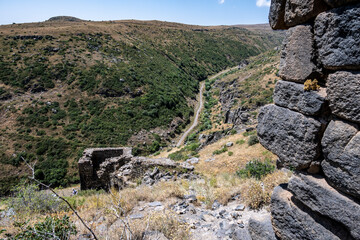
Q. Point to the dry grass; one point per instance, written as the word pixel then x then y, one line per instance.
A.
pixel 223 163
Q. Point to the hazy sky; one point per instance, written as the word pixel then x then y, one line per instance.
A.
pixel 201 12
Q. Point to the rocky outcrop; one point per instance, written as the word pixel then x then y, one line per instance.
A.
pixel 293 137
pixel 293 96
pixel 277 14
pixel 297 55
pixel 102 168
pixel 316 131
pixel 337 38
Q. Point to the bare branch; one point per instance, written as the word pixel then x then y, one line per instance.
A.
pixel 57 195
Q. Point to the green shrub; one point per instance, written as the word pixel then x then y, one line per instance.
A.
pixel 220 151
pixel 50 228
pixel 28 198
pixel 249 133
pixel 253 140
pixel 177 156
pixel 256 169
pixel 240 142
pixel 230 153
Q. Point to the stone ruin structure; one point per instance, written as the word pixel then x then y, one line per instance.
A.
pixel 102 168
pixel 316 133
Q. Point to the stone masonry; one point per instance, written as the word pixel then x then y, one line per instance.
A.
pixel 316 133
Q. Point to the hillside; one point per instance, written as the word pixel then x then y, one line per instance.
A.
pixel 68 85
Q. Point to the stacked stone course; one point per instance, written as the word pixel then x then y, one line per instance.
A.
pixel 316 133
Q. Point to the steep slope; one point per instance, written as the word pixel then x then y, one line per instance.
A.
pixel 67 85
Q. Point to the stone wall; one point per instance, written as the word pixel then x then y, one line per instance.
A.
pixel 316 133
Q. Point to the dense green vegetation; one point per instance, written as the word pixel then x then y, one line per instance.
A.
pixel 257 169
pixel 106 88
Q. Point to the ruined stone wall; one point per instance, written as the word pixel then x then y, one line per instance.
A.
pixel 316 133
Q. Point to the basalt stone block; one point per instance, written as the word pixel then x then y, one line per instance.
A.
pixel 344 94
pixel 296 62
pixel 341 147
pixel 293 137
pixel 292 220
pixel 301 11
pixel 337 37
pixel 338 3
pixel 292 95
pixel 319 196
pixel 276 14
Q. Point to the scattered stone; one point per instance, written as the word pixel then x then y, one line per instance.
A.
pixel 341 147
pixel 315 193
pixel 207 218
pixel 215 205
pixel 300 11
pixel 260 228
pixel 193 160
pixel 296 63
pixel 136 216
pixel 155 204
pixel 292 96
pixel 293 137
pixel 235 215
pixel 344 94
pixel 241 207
pixel 229 144
pixel 337 38
pixel 191 198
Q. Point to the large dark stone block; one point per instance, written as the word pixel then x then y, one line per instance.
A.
pixel 337 37
pixel 338 3
pixel 297 55
pixel 293 137
pixel 276 14
pixel 292 95
pixel 292 220
pixel 341 147
pixel 260 228
pixel 301 11
pixel 343 89
pixel 317 194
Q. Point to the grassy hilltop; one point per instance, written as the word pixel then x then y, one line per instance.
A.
pixel 66 85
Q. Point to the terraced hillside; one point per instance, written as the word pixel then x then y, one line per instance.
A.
pixel 68 85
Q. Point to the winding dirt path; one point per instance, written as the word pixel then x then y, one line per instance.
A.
pixel 197 116
pixel 199 108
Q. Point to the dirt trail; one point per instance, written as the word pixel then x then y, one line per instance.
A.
pixel 199 108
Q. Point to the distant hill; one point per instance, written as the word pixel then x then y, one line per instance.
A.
pixel 68 85
pixel 64 19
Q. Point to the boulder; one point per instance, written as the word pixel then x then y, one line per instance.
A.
pixel 338 3
pixel 293 137
pixel 301 11
pixel 319 196
pixel 260 228
pixel 341 147
pixel 292 95
pixel 292 220
pixel 343 89
pixel 337 38
pixel 296 62
pixel 276 14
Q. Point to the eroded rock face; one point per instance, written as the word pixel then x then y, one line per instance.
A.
pixel 293 137
pixel 292 96
pixel 316 194
pixel 337 36
pixel 300 11
pixel 297 55
pixel 276 14
pixel 344 94
pixel 341 146
pixel 292 220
